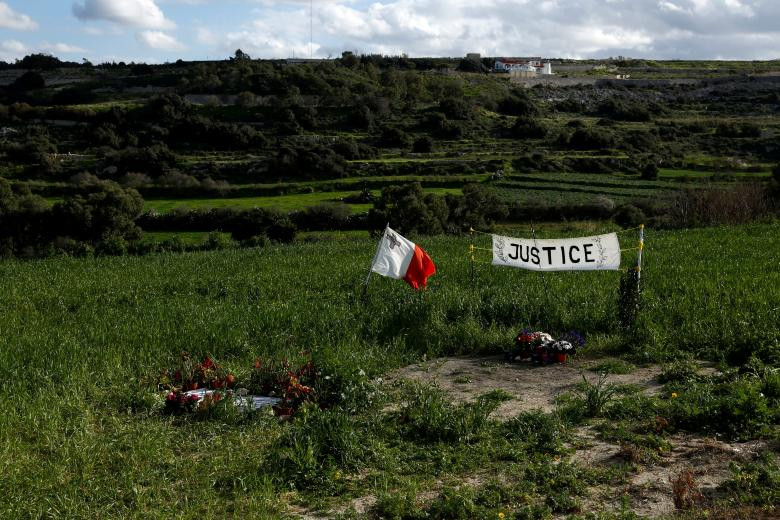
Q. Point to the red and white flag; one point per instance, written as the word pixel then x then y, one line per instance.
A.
pixel 399 258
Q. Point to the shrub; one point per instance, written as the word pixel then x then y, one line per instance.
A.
pixel 525 128
pixel 102 211
pixel 394 137
pixel 479 207
pixel 629 216
pixel 217 241
pixel 312 162
pixel 423 144
pixel 113 245
pixel 455 108
pixel 624 111
pixel 650 172
pixel 408 209
pixel 323 216
pixel 397 506
pixel 717 206
pixel 591 138
pixel 518 103
pixel 30 80
pixel 737 130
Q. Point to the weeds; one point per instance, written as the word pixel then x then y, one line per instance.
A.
pixel 598 395
pixel 681 371
pixel 684 490
pixel 613 366
pixel 430 416
pixel 755 483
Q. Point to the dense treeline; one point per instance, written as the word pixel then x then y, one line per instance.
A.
pixel 101 218
pixel 280 114
pixel 261 127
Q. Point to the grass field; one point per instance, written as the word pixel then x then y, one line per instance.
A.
pixel 283 202
pixel 78 336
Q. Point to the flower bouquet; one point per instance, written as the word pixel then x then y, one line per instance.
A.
pixel 292 385
pixel 540 347
pixel 194 386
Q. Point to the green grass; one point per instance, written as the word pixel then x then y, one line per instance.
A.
pixel 78 335
pixel 283 202
pixel 188 237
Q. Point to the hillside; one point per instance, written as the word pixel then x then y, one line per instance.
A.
pixel 249 133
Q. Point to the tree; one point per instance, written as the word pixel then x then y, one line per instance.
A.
pixel 526 128
pixel 102 210
pixel 349 60
pixel 29 81
pixel 591 139
pixel 650 171
pixel 40 62
pixel 423 144
pixel 394 137
pixel 467 65
pixel 518 103
pixel 479 207
pixel 240 56
pixel 408 209
pixel 455 108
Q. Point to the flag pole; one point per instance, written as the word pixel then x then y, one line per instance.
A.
pixel 370 268
pixel 471 252
pixel 639 256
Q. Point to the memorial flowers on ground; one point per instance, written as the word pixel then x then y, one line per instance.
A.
pixel 541 347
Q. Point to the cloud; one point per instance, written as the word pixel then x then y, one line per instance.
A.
pixel 160 41
pixel 207 36
pixel 10 50
pixel 134 13
pixel 733 29
pixel 61 48
pixel 10 19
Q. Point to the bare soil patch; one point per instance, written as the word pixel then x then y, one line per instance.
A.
pixel 649 486
pixel 533 386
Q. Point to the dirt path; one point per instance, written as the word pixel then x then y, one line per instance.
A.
pixel 533 386
pixel 648 486
pixel 536 387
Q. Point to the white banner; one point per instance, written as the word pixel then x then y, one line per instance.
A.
pixel 601 252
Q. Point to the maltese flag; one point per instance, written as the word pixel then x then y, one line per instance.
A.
pixel 399 258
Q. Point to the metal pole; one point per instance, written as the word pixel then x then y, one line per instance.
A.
pixel 471 251
pixel 639 256
pixel 378 246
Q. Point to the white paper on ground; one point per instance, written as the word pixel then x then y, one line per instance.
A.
pixel 247 402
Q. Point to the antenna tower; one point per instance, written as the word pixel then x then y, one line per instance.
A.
pixel 311 29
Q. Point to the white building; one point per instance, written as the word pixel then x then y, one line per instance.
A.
pixel 523 66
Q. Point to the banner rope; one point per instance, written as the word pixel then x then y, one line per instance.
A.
pixel 472 230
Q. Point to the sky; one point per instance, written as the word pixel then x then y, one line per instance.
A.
pixel 158 31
